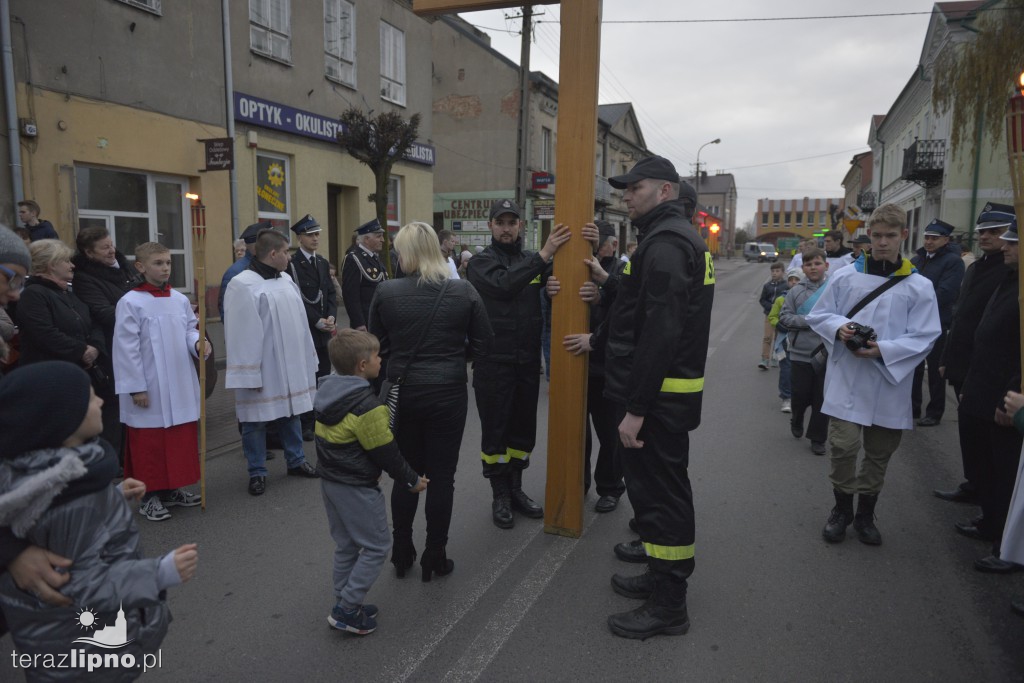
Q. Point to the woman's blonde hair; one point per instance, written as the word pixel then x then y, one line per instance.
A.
pixel 420 252
pixel 47 253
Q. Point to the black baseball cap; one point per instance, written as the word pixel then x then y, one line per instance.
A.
pixel 500 206
pixel 658 168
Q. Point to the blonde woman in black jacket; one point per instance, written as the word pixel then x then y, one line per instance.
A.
pixel 433 396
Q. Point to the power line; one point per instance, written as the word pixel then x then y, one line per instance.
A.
pixel 807 18
pixel 789 161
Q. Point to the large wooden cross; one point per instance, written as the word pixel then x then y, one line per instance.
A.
pixel 579 68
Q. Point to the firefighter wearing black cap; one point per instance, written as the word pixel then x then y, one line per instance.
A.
pixel 655 344
pixel 361 272
pixel 312 273
pixel 507 381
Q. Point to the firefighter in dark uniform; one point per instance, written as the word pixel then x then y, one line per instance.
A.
pixel 361 272
pixel 506 382
pixel 655 343
pixel 312 273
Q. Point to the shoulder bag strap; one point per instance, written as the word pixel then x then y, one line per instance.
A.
pixel 426 328
pixel 875 293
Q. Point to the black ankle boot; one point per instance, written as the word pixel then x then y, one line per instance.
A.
pixel 521 502
pixel 436 561
pixel 403 554
pixel 664 612
pixel 840 518
pixel 638 587
pixel 501 507
pixel 864 521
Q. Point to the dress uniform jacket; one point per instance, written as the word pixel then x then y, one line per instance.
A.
pixel 995 361
pixel 314 281
pixel 982 278
pixel 656 339
pixel 360 275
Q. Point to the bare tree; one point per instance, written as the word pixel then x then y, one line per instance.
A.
pixel 975 78
pixel 379 141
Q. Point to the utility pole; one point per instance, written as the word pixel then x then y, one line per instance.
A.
pixel 522 141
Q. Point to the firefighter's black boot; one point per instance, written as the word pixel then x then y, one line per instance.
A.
pixel 638 587
pixel 521 502
pixel 664 612
pixel 864 521
pixel 501 507
pixel 840 518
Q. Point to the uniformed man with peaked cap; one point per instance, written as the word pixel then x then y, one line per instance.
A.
pixel 361 272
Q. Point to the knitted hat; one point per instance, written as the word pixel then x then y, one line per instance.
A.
pixel 41 405
pixel 13 249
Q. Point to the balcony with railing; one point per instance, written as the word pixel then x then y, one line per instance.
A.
pixel 602 191
pixel 924 162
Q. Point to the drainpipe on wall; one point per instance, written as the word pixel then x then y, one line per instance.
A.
pixel 229 109
pixel 11 105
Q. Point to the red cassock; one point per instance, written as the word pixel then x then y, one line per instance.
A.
pixel 163 458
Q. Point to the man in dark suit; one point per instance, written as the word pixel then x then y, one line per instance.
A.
pixel 361 272
pixel 311 273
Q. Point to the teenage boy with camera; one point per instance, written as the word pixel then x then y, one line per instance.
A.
pixel 878 320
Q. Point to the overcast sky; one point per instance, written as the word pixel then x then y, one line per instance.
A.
pixel 773 91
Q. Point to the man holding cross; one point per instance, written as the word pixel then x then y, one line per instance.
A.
pixel 655 343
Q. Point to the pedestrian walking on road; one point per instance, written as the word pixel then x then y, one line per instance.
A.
pixel 877 320
pixel 354 445
pixel 770 291
pixel 780 351
pixel 423 321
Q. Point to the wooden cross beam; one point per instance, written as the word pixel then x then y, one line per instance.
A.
pixel 579 68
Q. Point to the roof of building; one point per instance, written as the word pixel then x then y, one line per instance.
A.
pixel 610 114
pixel 720 183
pixel 956 11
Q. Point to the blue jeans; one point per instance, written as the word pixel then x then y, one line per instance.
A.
pixel 785 385
pixel 254 443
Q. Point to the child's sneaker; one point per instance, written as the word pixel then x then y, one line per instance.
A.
pixel 763 364
pixel 353 621
pixel 181 498
pixel 787 405
pixel 154 510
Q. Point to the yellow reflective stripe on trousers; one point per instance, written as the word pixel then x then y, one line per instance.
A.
pixel 669 552
pixel 676 385
pixel 507 456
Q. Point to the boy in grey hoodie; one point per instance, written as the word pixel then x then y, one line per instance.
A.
pixel 353 445
pixel 807 378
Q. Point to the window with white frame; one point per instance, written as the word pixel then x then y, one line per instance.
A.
pixel 547 161
pixel 392 64
pixel 394 205
pixel 138 207
pixel 270 28
pixel 340 41
pixel 151 5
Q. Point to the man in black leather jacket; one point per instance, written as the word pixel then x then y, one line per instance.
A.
pixel 507 381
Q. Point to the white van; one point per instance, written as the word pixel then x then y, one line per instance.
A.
pixel 752 251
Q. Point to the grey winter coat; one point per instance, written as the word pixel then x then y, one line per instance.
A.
pixel 802 341
pixel 96 530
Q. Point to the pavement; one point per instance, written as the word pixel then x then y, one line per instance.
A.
pixel 769 600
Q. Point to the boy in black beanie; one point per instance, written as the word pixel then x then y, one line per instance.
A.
pixel 56 493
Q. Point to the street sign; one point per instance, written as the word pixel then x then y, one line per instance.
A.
pixel 220 154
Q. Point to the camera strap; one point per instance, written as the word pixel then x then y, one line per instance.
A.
pixel 868 298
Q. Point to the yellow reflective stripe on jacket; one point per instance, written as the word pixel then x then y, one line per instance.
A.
pixel 628 268
pixel 507 456
pixel 669 552
pixel 709 269
pixel 676 385
pixel 535 281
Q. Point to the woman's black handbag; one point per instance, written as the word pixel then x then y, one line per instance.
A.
pixel 388 388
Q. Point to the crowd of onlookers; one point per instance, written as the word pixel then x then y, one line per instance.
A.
pixel 974 350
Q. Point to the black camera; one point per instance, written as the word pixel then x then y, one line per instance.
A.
pixel 862 334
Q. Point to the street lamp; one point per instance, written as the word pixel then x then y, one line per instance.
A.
pixel 713 142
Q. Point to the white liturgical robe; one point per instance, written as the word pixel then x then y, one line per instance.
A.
pixel 271 361
pixel 1011 548
pixel 154 343
pixel 875 391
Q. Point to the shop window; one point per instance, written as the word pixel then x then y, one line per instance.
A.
pixel 392 64
pixel 340 41
pixel 270 29
pixel 272 178
pixel 394 204
pixel 138 207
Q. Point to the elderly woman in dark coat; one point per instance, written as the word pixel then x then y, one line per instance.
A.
pixel 433 396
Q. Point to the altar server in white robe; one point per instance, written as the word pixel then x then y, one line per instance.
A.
pixel 867 392
pixel 271 360
pixel 1011 555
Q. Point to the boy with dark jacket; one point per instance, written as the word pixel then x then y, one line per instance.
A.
pixel 353 445
pixel 770 291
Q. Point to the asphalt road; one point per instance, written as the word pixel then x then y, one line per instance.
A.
pixel 769 599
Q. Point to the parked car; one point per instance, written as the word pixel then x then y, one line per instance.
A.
pixel 760 252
